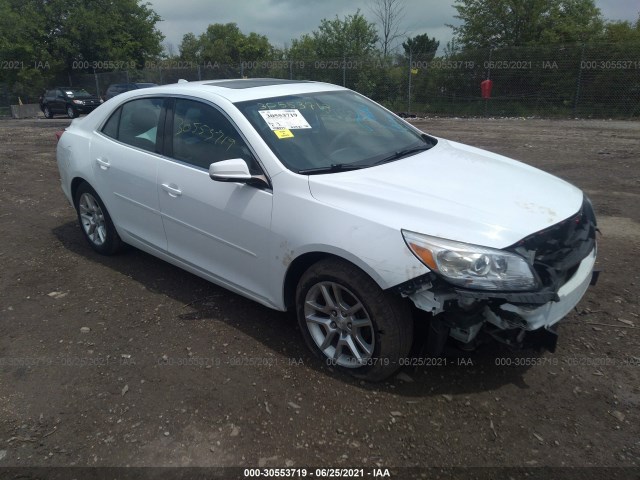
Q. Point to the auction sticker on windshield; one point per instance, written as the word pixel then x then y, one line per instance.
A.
pixel 283 133
pixel 288 119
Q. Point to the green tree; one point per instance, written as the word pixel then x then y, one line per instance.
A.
pixel 513 23
pixel 339 51
pixel 99 31
pixel 303 48
pixel 22 32
pixel 612 91
pixel 352 37
pixel 421 46
pixel 225 44
pixel 221 43
pixel 190 48
pixel 255 47
pixel 51 38
pixel 23 46
pixel 622 32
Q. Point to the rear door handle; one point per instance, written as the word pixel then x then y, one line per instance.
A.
pixel 172 191
pixel 102 163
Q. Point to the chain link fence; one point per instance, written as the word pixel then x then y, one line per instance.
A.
pixel 581 81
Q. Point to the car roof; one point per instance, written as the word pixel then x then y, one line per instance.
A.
pixel 239 90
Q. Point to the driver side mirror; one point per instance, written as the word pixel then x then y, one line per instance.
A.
pixel 235 170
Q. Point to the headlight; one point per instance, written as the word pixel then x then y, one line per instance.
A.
pixel 472 266
pixel 78 102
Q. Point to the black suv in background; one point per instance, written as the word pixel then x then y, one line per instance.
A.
pixel 69 101
pixel 118 88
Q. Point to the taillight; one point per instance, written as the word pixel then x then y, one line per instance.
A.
pixel 58 135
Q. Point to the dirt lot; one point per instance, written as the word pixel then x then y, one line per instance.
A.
pixel 175 371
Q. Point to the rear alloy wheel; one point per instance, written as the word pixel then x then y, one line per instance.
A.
pixel 47 113
pixel 71 113
pixel 350 322
pixel 95 221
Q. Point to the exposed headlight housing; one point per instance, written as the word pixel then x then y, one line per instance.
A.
pixel 78 102
pixel 472 266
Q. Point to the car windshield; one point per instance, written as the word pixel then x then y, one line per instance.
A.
pixel 77 93
pixel 328 132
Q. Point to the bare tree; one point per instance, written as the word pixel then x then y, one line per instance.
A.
pixel 389 13
pixel 169 49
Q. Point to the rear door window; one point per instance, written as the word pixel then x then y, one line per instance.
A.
pixel 111 127
pixel 136 123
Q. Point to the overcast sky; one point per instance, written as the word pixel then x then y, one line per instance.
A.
pixel 282 20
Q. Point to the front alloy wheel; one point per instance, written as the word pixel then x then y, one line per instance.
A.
pixel 350 322
pixel 71 113
pixel 339 324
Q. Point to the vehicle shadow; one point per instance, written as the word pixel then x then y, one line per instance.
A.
pixel 457 372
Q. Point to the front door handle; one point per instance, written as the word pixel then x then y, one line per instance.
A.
pixel 102 163
pixel 172 191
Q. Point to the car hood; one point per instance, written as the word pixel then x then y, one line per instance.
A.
pixel 453 191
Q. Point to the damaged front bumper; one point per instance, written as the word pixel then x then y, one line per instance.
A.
pixel 562 256
pixel 552 312
pixel 518 320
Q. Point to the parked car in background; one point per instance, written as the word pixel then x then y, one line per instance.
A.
pixel 118 88
pixel 68 101
pixel 309 197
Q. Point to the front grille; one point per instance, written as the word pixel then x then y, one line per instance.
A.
pixel 558 250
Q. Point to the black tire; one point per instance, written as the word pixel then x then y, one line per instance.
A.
pixel 71 112
pixel 389 336
pixel 105 240
pixel 47 112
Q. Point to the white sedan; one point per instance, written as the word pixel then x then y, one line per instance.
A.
pixel 309 196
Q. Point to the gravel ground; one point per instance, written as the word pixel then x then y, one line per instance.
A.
pixel 129 361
